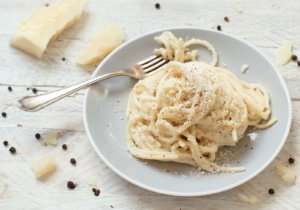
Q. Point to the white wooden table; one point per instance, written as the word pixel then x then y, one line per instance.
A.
pixel 266 24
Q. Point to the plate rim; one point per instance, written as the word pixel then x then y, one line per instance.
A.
pixel 193 194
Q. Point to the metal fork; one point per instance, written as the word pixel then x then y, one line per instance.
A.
pixel 137 71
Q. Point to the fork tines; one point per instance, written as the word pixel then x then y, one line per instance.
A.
pixel 152 63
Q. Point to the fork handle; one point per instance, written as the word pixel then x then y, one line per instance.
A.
pixel 35 103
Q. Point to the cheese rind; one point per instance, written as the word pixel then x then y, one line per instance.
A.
pixel 109 38
pixel 45 24
pixel 43 166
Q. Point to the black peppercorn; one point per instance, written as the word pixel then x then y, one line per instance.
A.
pixel 12 150
pixel 219 28
pixel 291 160
pixel 96 191
pixel 157 6
pixel 73 161
pixel 64 147
pixel 71 185
pixel 4 114
pixel 271 191
pixel 37 136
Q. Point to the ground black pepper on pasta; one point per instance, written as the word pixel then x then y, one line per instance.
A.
pixel 34 90
pixel 5 143
pixel 226 19
pixel 294 57
pixel 9 88
pixel 219 28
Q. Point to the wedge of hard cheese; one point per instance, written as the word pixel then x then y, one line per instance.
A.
pixel 284 53
pixel 43 166
pixel 45 24
pixel 110 37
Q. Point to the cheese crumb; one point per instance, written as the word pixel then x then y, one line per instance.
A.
pixel 51 138
pixel 4 189
pixel 213 26
pixel 4 186
pixel 43 166
pixel 244 68
pixel 188 23
pixel 224 65
pixel 92 181
pixel 287 173
pixel 252 199
pixel 284 53
pixel 238 8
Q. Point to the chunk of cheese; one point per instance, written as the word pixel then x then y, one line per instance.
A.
pixel 238 8
pixel 43 166
pixel 109 38
pixel 284 53
pixel 287 173
pixel 92 181
pixel 51 138
pixel 45 24
pixel 252 199
pixel 244 68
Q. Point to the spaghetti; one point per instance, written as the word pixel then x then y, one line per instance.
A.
pixel 187 111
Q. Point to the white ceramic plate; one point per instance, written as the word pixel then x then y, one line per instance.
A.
pixel 105 120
